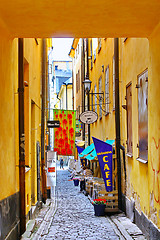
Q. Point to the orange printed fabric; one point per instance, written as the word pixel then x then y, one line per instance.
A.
pixel 64 136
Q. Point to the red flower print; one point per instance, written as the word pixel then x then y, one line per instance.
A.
pixel 63 151
pixel 60 115
pixel 64 131
pixel 70 122
pixel 67 145
pixel 72 142
pixel 60 129
pixel 62 111
pixel 64 121
pixel 69 116
pixel 69 151
pixel 56 115
pixel 66 139
pixel 71 130
pixel 56 133
pixel 61 141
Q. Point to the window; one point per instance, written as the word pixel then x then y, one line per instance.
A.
pixel 129 118
pixel 107 90
pixel 99 44
pixel 100 97
pixel 77 81
pixel 92 99
pixel 91 53
pixel 143 115
pixel 95 98
pixel 95 45
pixel 113 83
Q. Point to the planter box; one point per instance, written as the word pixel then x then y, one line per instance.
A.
pixel 76 182
pixel 99 209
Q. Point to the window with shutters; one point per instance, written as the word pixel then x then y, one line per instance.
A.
pixel 142 87
pixel 95 98
pixel 113 83
pixel 100 98
pixel 107 90
pixel 129 118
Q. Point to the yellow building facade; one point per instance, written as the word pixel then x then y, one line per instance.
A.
pixel 9 130
pixel 138 95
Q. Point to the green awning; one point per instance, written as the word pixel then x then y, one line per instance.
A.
pixel 87 150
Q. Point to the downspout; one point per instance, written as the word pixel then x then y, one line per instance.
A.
pixel 117 120
pixel 66 98
pixel 21 136
pixel 87 76
pixel 83 91
pixel 44 193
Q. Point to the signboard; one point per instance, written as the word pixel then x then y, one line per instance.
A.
pixel 104 154
pixel 88 117
pixel 84 162
pixel 79 149
pixel 53 124
pixel 51 168
pixel 64 136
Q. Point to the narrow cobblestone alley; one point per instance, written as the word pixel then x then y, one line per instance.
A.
pixel 74 218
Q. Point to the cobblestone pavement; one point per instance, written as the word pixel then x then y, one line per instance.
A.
pixel 74 218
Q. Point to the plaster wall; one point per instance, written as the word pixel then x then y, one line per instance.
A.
pixel 103 128
pixel 154 127
pixel 134 60
pixel 9 125
pixel 32 74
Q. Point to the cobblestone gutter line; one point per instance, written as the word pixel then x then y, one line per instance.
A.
pixel 43 228
pixel 127 229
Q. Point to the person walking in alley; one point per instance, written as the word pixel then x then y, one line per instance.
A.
pixel 61 163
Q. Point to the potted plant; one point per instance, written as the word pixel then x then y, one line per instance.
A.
pixel 76 181
pixel 99 206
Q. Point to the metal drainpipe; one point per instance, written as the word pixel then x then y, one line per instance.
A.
pixel 117 120
pixel 44 191
pixel 66 98
pixel 87 76
pixel 21 136
pixel 83 91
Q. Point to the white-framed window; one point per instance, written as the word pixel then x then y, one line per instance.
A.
pixel 100 97
pixel 113 83
pixel 95 98
pixel 143 115
pixel 107 90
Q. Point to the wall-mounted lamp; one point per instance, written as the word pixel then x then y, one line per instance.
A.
pixel 87 85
